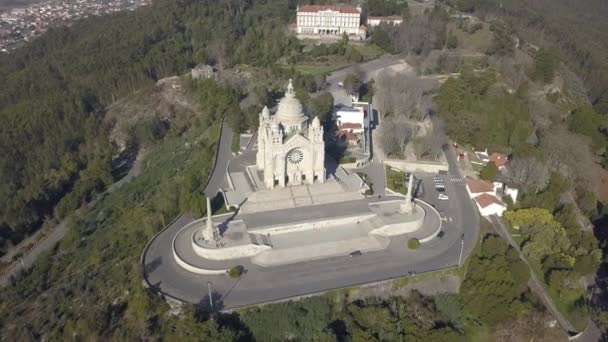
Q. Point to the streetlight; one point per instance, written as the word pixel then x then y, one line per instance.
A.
pixel 210 298
pixel 461 248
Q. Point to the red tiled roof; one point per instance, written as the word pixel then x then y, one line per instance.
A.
pixel 318 8
pixel 349 125
pixel 485 200
pixel 347 135
pixel 478 186
pixel 499 159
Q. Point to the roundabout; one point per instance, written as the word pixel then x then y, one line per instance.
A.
pixel 174 269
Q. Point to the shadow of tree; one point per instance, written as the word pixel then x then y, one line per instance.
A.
pixel 209 305
pixel 153 265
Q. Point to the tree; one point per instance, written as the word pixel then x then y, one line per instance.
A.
pixel 322 106
pixel 401 96
pixel 452 41
pixel 543 236
pixel 489 172
pixel 528 174
pixel 352 84
pixel 396 134
pixel 585 120
pixel 489 290
pixel 545 64
pixel 236 271
pixel 570 155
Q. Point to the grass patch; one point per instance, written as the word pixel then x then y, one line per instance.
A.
pixel 369 51
pixel 441 275
pixel 319 69
pixel 395 180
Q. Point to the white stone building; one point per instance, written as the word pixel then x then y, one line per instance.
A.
pixel 329 20
pixel 391 20
pixel 290 151
pixel 350 118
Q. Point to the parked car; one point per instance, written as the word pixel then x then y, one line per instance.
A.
pixel 355 253
pixel 443 197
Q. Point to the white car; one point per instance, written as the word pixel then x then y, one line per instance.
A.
pixel 443 197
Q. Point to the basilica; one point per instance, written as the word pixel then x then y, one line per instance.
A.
pixel 291 150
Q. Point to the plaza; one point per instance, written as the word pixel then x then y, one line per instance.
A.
pixel 298 238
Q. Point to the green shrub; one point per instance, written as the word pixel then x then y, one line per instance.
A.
pixel 236 271
pixel 413 243
pixel 489 172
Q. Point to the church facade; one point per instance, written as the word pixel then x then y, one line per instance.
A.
pixel 291 150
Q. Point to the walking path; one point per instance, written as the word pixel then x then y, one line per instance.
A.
pixel 535 285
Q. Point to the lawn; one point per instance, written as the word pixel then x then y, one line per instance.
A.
pixel 368 50
pixel 319 68
pixel 441 274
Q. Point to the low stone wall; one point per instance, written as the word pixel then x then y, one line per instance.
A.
pixel 418 166
pixel 190 268
pixel 303 226
pixel 401 228
pixel 438 230
pixel 228 253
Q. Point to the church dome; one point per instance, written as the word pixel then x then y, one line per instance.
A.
pixel 290 111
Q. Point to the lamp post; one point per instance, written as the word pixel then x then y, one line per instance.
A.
pixel 210 298
pixel 461 248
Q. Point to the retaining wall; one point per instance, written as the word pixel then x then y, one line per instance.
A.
pixel 408 166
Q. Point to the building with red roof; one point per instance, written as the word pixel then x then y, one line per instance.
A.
pixel 499 159
pixel 489 205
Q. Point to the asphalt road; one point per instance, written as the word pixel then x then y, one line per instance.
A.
pixel 261 284
pixel 367 70
pixel 224 154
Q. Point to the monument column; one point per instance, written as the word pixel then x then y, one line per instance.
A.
pixel 209 230
pixel 406 207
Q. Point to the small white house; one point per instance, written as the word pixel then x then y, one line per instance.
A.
pixel 487 196
pixel 353 118
pixel 476 187
pixel 489 205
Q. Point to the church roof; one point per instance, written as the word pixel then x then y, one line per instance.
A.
pixel 290 109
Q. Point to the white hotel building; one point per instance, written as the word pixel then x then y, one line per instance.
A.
pixel 329 20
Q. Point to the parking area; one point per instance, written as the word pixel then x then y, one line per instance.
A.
pixel 439 190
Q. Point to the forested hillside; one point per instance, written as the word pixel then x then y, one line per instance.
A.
pixel 54 147
pixel 55 154
pixel 577 29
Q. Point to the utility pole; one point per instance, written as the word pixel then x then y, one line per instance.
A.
pixel 461 248
pixel 210 298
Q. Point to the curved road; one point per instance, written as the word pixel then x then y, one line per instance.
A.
pixel 223 156
pixel 261 284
